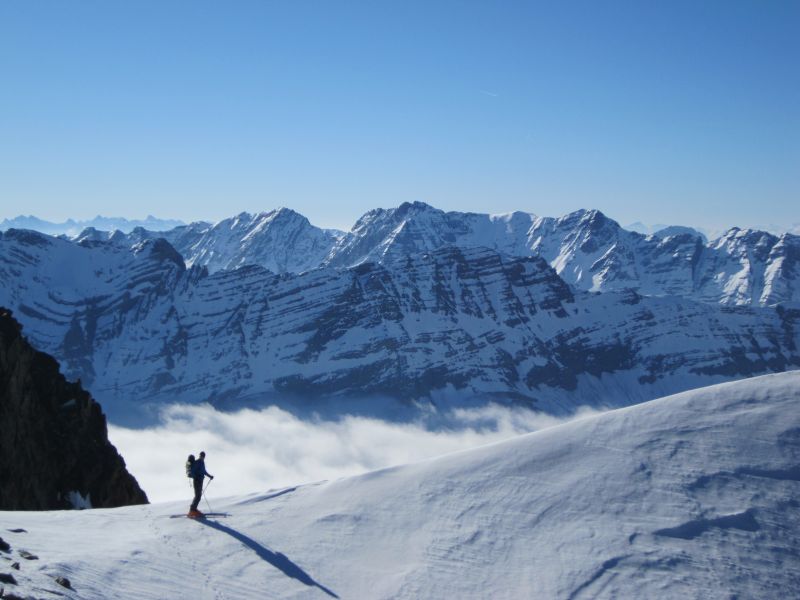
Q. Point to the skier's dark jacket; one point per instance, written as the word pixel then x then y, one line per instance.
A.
pixel 199 469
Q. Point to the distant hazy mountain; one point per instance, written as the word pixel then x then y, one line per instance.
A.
pixel 71 227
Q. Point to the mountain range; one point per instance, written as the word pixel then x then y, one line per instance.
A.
pixel 72 227
pixel 412 304
pixel 587 249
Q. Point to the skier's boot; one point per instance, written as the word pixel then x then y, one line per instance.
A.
pixel 195 514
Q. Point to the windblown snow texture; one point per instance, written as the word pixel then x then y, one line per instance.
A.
pixel 690 496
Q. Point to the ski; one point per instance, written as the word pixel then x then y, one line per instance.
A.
pixel 203 516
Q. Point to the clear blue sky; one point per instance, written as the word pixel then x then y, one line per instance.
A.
pixel 664 112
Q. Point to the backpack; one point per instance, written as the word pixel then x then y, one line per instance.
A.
pixel 190 466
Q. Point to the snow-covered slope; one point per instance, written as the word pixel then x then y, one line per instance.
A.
pixel 690 496
pixel 455 323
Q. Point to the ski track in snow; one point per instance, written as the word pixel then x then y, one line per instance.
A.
pixel 690 496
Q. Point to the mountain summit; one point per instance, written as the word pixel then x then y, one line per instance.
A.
pixel 587 249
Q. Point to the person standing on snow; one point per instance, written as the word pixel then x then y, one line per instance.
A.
pixel 198 470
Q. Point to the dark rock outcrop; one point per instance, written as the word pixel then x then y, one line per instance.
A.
pixel 54 444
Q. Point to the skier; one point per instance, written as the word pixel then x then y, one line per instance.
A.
pixel 198 472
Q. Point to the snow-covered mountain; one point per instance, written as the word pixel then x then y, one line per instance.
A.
pixel 593 253
pixel 71 227
pixel 690 496
pixel 586 248
pixel 280 240
pixel 136 325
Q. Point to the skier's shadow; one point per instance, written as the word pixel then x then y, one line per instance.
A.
pixel 276 559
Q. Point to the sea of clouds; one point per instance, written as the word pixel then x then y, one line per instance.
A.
pixel 258 450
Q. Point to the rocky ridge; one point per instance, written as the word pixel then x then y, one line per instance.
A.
pixel 586 248
pixel 458 323
pixel 54 448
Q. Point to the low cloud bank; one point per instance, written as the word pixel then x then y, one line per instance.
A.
pixel 254 451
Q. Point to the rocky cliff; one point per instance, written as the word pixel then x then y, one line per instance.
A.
pixel 138 327
pixel 54 448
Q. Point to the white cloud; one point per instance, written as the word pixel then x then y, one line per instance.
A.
pixel 254 451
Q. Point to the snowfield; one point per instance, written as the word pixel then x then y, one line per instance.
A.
pixel 695 495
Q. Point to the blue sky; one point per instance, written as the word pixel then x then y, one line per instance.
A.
pixel 661 112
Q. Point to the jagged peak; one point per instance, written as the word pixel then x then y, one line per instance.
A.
pixel 249 221
pixel 593 219
pixel 412 209
pixel 29 237
pixel 792 238
pixel 514 215
pixel 679 230
pixel 283 214
pixel 747 235
pixel 161 250
pixel 369 217
pixel 597 216
pixel 416 205
pixel 570 217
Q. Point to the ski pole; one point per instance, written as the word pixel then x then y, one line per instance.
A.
pixel 205 497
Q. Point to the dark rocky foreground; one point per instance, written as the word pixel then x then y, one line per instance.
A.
pixel 53 436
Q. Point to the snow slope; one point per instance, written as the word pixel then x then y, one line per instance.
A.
pixel 690 496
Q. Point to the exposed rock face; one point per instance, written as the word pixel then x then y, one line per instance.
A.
pixel 586 248
pixel 281 240
pixel 54 444
pixel 592 252
pixel 140 327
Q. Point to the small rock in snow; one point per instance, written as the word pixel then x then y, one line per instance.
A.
pixel 7 578
pixel 64 582
pixel 27 555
